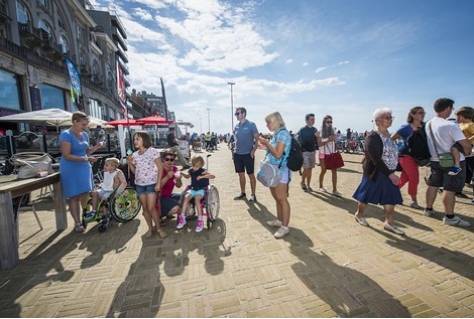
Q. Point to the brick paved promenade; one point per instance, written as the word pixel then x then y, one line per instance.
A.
pixel 327 266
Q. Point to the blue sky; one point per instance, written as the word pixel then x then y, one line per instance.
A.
pixel 342 58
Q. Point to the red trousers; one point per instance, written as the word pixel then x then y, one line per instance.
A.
pixel 410 174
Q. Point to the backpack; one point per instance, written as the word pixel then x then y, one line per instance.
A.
pixel 294 161
pixel 417 146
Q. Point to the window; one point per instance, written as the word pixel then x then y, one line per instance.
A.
pixel 64 44
pixel 42 2
pixel 21 13
pixel 10 91
pixel 52 98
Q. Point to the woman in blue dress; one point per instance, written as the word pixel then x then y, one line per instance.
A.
pixel 277 152
pixel 75 167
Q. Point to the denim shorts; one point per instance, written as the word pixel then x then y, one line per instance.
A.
pixel 145 189
pixel 104 193
pixel 195 193
pixel 285 175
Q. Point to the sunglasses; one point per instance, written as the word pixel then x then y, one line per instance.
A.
pixel 421 112
pixel 329 122
pixel 237 114
pixel 388 118
pixel 168 159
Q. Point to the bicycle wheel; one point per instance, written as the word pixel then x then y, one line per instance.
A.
pixel 212 203
pixel 126 206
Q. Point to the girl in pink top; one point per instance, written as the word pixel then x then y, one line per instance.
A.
pixel 147 166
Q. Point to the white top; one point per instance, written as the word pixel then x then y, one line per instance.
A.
pixel 146 171
pixel 327 148
pixel 446 134
pixel 108 183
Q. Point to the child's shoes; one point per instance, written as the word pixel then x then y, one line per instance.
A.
pixel 181 221
pixel 200 225
pixel 454 170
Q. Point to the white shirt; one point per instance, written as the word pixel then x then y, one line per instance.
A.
pixel 446 134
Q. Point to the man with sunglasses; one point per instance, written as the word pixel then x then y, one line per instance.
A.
pixel 169 201
pixel 245 137
pixel 309 144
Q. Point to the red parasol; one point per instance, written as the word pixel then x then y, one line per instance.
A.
pixel 154 120
pixel 123 122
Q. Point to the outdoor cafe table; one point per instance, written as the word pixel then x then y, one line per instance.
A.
pixel 9 228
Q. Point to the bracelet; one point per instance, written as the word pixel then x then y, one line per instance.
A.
pixel 86 159
pixel 118 192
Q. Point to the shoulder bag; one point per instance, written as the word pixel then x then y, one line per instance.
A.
pixel 32 163
pixel 446 160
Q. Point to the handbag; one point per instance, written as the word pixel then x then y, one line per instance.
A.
pixel 333 160
pixel 32 164
pixel 269 174
pixel 446 160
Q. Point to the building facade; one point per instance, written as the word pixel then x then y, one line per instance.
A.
pixel 36 36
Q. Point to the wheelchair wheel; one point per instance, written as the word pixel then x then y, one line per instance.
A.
pixel 212 203
pixel 126 206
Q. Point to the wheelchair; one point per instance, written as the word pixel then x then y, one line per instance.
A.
pixel 122 209
pixel 210 205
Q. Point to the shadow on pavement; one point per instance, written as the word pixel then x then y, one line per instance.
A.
pixel 347 291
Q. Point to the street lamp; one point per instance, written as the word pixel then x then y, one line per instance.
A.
pixel 209 118
pixel 231 105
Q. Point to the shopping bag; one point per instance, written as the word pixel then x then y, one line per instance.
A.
pixel 269 174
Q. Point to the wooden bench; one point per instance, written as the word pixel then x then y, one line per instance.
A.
pixel 9 226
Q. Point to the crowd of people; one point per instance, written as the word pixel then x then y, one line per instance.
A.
pixel 387 166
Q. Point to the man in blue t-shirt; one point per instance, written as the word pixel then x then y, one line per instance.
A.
pixel 245 137
pixel 309 145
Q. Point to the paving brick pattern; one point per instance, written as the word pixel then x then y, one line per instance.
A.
pixel 327 266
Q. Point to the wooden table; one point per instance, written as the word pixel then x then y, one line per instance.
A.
pixel 9 228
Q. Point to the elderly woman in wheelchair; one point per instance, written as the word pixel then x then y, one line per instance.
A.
pixel 197 191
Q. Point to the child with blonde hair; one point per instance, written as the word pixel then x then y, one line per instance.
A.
pixel 199 182
pixel 114 179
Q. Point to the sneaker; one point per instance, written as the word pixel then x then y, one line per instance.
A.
pixel 274 223
pixel 393 228
pixel 455 221
pixel 337 193
pixel 253 199
pixel 415 205
pixel 181 221
pixel 90 215
pixel 323 190
pixel 454 170
pixel 303 187
pixel 241 196
pixel 429 212
pixel 200 225
pixel 309 189
pixel 282 231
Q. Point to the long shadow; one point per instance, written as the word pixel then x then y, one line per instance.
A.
pixel 42 265
pixel 141 292
pixel 347 291
pixel 372 211
pixel 456 261
pixel 115 238
pixel 348 170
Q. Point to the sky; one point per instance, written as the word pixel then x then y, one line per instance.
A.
pixel 327 57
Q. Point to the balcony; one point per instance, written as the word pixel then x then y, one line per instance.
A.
pixel 31 37
pixel 52 50
pixel 84 69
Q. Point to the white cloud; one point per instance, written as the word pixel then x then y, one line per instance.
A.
pixel 305 64
pixel 289 61
pixel 142 14
pixel 321 69
pixel 342 62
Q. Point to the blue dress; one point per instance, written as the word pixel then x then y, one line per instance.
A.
pixel 76 177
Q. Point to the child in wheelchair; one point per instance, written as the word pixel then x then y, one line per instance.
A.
pixel 199 182
pixel 114 183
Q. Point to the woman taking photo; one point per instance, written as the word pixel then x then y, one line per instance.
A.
pixel 75 168
pixel 379 183
pixel 277 152
pixel 327 138
pixel 410 172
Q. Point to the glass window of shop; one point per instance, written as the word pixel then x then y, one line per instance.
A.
pixel 10 91
pixel 96 109
pixel 52 97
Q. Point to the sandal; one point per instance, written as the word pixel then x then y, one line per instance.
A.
pixel 162 233
pixel 79 228
pixel 148 233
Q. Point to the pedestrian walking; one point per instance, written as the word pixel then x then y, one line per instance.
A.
pixel 309 145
